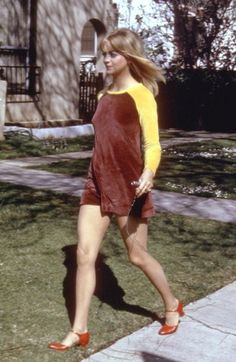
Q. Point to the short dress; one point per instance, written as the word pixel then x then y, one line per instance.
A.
pixel 126 142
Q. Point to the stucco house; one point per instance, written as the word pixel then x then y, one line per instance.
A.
pixel 42 46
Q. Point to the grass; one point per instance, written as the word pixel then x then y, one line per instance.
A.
pixel 75 168
pixel 201 168
pixel 19 145
pixel 23 145
pixel 38 243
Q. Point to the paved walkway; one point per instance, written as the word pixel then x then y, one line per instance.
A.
pixel 207 333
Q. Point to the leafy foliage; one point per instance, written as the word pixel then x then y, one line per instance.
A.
pixel 196 99
pixel 189 33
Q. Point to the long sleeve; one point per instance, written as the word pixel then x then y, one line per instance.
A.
pixel 147 109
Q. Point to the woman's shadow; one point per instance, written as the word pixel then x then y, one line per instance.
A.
pixel 107 288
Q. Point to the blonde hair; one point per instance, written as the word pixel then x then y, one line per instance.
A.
pixel 130 45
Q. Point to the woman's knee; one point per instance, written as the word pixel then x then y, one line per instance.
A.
pixel 137 256
pixel 85 256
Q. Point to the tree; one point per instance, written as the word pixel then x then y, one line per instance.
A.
pixel 203 32
pixel 186 33
pixel 144 19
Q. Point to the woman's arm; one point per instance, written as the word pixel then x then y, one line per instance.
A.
pixel 147 109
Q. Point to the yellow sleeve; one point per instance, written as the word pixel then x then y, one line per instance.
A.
pixel 147 109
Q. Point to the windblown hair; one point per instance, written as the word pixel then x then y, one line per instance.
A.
pixel 127 43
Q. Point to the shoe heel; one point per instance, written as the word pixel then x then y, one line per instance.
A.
pixel 180 310
pixel 166 329
pixel 84 339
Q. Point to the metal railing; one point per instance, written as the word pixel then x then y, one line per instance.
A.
pixel 90 85
pixel 11 55
pixel 23 82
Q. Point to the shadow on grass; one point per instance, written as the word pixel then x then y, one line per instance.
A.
pixel 21 206
pixel 107 287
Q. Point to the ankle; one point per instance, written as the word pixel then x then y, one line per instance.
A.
pixel 79 331
pixel 172 305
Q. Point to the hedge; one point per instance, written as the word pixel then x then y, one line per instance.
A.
pixel 198 100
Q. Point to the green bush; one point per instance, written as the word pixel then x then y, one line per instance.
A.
pixel 198 99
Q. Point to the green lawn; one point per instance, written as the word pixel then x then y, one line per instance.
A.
pixel 202 169
pixel 24 146
pixel 38 243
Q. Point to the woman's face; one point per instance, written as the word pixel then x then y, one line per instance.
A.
pixel 115 63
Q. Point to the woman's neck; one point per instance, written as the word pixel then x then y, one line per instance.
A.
pixel 122 83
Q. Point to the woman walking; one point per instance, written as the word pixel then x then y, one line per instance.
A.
pixel 125 159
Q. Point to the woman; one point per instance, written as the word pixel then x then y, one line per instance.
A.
pixel 125 158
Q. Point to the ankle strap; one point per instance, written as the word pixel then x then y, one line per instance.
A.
pixel 77 333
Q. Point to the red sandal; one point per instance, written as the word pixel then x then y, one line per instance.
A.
pixel 166 329
pixel 83 340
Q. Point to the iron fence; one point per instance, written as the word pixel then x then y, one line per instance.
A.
pixel 90 85
pixel 23 82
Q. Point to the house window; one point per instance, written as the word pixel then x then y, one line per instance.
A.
pixel 18 49
pixel 89 41
pixel 14 32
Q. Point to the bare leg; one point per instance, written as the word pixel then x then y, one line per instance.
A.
pixel 92 225
pixel 134 235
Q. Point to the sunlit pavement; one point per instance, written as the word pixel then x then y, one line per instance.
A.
pixel 207 333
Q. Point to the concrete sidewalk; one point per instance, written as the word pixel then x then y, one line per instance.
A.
pixel 207 333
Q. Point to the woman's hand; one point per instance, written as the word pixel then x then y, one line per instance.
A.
pixel 146 183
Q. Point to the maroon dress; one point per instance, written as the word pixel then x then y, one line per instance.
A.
pixel 117 158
